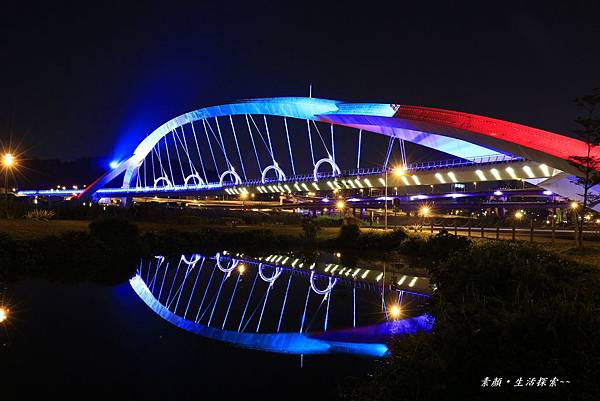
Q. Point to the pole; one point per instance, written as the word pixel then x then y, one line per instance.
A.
pixel 575 222
pixel 6 192
pixel 385 224
pixel 513 229
pixel 531 230
pixel 553 228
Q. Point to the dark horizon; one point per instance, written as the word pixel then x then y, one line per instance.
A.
pixel 90 83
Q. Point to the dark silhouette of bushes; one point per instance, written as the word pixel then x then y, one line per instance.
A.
pixel 502 310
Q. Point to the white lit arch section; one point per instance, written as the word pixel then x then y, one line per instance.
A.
pixel 230 173
pixel 335 170
pixel 280 174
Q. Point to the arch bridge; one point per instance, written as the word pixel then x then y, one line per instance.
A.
pixel 302 145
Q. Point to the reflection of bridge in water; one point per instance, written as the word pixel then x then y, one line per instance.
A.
pixel 283 304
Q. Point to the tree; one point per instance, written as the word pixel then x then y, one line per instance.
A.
pixel 589 163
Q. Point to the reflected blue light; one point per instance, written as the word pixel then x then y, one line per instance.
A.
pixel 289 343
pixel 114 164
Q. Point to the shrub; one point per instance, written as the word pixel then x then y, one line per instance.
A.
pixel 40 214
pixel 349 234
pixel 441 245
pixel 310 229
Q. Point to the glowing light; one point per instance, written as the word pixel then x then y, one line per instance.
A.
pixel 519 215
pixel 8 160
pixel 241 268
pixel 498 193
pixel 416 180
pixel 399 171
pixel 480 174
pixel 548 192
pixel 440 178
pixel 340 204
pixel 545 170
pixel 452 176
pixel 3 314
pixel 114 164
pixel 511 172
pixel 395 311
pixel 244 195
pixel 425 210
pixel 528 171
pixel 496 174
pixel 574 205
pixel 368 183
pixel 382 181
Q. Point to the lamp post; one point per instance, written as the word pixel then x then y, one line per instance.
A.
pixel 244 196
pixel 8 161
pixel 398 172
pixel 425 210
pixel 518 216
pixel 574 207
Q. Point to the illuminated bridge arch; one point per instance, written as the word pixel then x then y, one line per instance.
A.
pixel 214 134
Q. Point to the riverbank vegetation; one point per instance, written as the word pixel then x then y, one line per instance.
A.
pixel 502 310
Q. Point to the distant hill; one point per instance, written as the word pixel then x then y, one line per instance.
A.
pixel 47 173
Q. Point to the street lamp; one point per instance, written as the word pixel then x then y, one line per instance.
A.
pixel 425 211
pixel 398 172
pixel 3 314
pixel 8 162
pixel 340 205
pixel 244 196
pixel 578 234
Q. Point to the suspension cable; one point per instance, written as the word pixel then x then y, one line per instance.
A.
pixel 253 144
pixel 238 148
pixel 312 153
pixel 199 154
pixel 359 145
pixel 210 147
pixel 287 134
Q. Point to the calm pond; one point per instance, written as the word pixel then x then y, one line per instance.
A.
pixel 222 326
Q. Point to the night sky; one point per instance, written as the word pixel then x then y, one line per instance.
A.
pixel 86 79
